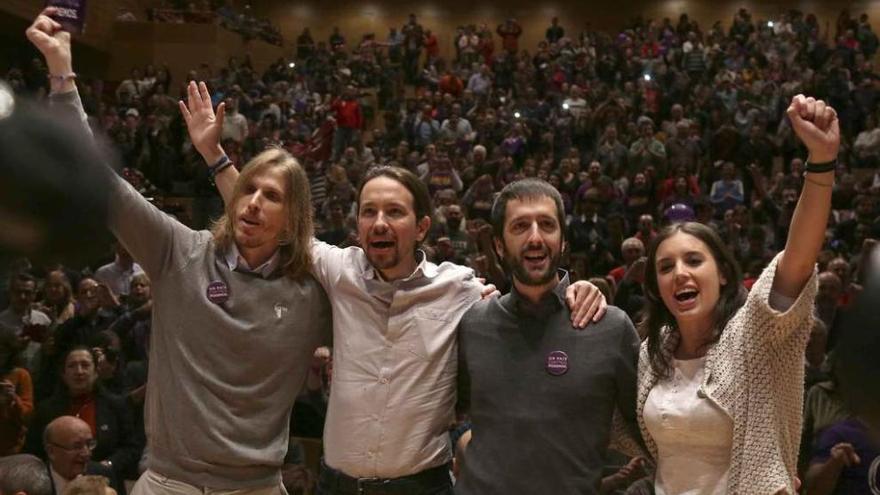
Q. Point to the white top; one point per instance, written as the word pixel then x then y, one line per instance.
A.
pixel 117 276
pixel 394 362
pixel 694 435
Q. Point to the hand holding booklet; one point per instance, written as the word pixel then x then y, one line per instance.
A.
pixel 71 14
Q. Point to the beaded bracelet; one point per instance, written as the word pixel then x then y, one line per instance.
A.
pixel 62 77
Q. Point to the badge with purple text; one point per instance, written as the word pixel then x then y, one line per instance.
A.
pixel 218 292
pixel 557 363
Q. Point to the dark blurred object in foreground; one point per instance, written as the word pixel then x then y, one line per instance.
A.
pixel 858 350
pixel 53 186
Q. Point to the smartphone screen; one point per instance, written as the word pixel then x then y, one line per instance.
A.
pixel 71 14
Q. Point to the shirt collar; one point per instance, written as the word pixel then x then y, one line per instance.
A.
pixel 553 300
pixel 424 268
pixel 236 262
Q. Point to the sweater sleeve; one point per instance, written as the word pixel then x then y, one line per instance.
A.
pixel 766 322
pixel 625 436
pixel 151 236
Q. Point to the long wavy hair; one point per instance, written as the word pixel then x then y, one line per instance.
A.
pixel 295 240
pixel 656 316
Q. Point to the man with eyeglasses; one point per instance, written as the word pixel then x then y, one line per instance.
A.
pixel 69 443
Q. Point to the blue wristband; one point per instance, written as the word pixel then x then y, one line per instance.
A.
pixel 222 164
pixel 219 163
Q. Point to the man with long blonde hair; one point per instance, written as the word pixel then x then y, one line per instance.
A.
pixel 236 315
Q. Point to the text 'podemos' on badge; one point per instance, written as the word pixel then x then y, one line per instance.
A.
pixel 557 363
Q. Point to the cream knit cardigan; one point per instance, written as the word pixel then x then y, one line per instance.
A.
pixel 755 373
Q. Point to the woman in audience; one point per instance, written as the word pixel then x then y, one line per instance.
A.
pixel 721 373
pixel 58 300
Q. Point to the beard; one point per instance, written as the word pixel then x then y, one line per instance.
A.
pixel 517 265
pixel 453 223
pixel 384 261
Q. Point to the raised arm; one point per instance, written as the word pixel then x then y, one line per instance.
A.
pixel 816 125
pixel 205 128
pixel 145 231
pixel 54 43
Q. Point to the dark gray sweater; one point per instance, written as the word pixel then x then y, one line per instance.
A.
pixel 541 394
pixel 223 376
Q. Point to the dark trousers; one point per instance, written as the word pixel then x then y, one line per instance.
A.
pixel 435 481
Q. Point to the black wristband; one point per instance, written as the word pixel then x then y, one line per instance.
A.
pixel 820 168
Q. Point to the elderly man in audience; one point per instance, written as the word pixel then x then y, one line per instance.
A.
pixel 68 442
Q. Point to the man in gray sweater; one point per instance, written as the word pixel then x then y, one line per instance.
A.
pixel 527 380
pixel 236 315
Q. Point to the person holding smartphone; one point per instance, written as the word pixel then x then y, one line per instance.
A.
pixel 16 397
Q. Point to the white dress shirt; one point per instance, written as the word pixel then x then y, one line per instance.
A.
pixel 394 362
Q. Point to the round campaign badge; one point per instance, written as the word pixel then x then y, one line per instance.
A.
pixel 218 292
pixel 557 363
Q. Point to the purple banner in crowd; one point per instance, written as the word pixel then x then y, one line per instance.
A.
pixel 71 14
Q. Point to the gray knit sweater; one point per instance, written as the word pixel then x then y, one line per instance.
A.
pixel 223 376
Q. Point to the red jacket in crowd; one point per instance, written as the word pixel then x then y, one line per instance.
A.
pixel 348 113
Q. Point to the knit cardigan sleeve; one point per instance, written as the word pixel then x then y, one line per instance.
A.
pixel 757 376
pixel 765 324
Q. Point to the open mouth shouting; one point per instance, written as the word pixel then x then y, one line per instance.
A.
pixel 382 245
pixel 536 260
pixel 686 298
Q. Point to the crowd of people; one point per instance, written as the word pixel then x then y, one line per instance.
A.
pixel 661 123
pixel 244 22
